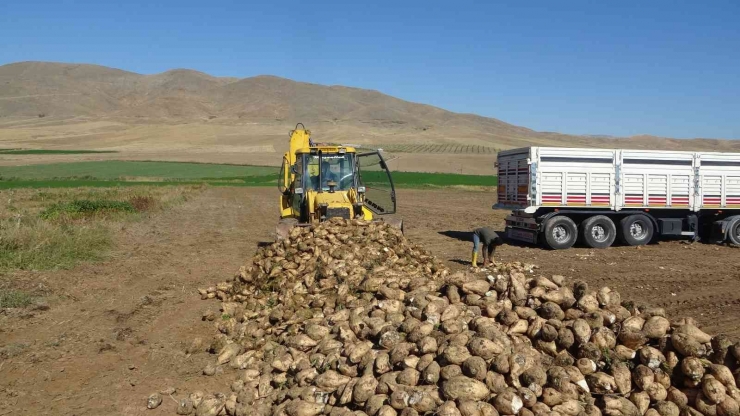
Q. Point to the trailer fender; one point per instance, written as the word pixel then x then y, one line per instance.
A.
pixel 724 227
pixel 610 214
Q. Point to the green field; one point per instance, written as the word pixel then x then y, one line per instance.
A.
pixel 51 152
pixel 418 179
pixel 118 169
pixel 128 173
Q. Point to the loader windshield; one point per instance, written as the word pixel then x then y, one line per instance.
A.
pixel 338 168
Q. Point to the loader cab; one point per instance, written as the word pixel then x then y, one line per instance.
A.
pixel 335 174
pixel 322 170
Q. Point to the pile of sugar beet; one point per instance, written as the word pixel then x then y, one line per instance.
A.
pixel 350 318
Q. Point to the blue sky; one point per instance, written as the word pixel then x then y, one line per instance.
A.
pixel 668 68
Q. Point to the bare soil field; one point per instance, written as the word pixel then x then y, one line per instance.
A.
pixel 117 330
pixel 246 143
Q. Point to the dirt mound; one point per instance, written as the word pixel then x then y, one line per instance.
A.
pixel 350 318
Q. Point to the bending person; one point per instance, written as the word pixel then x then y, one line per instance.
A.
pixel 490 240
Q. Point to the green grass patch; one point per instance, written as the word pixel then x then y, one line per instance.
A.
pixel 127 173
pixel 120 169
pixel 86 208
pixel 92 183
pixel 419 179
pixel 51 152
pixel 14 299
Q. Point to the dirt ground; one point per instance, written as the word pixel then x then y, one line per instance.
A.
pixel 116 331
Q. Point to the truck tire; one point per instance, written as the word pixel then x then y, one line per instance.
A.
pixel 636 230
pixel 598 231
pixel 560 233
pixel 733 231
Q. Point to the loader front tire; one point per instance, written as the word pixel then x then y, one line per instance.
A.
pixel 560 233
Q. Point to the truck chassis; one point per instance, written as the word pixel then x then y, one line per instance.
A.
pixel 559 196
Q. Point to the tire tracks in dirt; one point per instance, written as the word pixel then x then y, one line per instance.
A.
pixel 124 336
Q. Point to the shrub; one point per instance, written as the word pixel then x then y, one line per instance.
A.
pixel 86 208
pixel 14 299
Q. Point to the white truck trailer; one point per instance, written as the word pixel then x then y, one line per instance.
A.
pixel 559 196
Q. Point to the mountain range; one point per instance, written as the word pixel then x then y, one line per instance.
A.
pixel 97 100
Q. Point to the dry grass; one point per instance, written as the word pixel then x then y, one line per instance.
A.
pixel 36 244
pixel 43 229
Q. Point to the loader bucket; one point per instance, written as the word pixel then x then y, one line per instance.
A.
pixel 394 222
pixel 284 227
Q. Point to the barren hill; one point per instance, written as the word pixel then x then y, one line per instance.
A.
pixel 190 115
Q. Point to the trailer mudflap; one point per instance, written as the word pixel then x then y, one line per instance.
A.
pixel 519 234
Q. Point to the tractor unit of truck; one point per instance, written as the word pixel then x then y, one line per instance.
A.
pixel 560 196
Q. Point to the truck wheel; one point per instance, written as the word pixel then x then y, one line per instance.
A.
pixel 636 230
pixel 733 232
pixel 598 231
pixel 560 233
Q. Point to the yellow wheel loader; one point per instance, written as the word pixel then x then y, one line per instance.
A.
pixel 321 181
